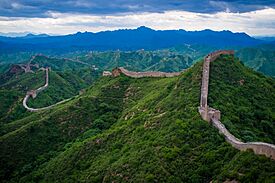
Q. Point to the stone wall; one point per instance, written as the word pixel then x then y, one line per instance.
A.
pixel 106 73
pixel 204 110
pixel 257 147
pixel 33 94
pixel 120 70
pixel 213 115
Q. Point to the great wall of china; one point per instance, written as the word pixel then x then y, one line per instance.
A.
pixel 207 113
pixel 117 71
pixel 213 115
pixel 33 94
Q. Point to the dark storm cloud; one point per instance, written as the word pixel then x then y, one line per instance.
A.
pixel 39 8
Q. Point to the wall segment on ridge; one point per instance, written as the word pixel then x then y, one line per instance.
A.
pixel 209 114
pixel 119 70
pixel 213 115
pixel 33 94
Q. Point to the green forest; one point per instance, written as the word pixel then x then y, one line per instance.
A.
pixel 142 130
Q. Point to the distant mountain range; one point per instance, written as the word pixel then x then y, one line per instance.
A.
pixel 126 39
pixel 21 34
pixel 266 38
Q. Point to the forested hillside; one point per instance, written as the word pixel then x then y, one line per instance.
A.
pixel 173 59
pixel 62 85
pixel 246 99
pixel 162 60
pixel 145 130
pixel 141 60
pixel 260 58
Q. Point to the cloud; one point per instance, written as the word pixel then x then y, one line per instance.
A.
pixel 39 8
pixel 258 22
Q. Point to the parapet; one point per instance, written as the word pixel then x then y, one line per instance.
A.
pixel 214 55
pixel 117 71
pixel 106 73
pixel 208 113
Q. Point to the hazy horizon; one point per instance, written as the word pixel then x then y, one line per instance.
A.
pixel 23 34
pixel 67 17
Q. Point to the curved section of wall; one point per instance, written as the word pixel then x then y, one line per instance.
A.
pixel 33 94
pixel 39 109
pixel 257 147
pixel 121 70
pixel 213 115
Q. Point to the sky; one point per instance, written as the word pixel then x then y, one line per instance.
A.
pixel 59 17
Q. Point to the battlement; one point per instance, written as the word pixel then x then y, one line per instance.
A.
pixel 214 55
pixel 120 70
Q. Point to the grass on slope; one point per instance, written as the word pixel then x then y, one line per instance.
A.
pixel 245 98
pixel 63 85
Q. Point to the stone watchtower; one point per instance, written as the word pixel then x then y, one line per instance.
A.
pixel 116 72
pixel 32 93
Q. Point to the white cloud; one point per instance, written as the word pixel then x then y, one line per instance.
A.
pixel 260 22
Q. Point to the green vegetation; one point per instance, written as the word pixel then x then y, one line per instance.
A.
pixel 161 60
pixel 245 98
pixel 138 130
pixel 141 60
pixel 58 64
pixel 15 57
pixel 62 85
pixel 260 58
pixel 13 88
pixel 177 58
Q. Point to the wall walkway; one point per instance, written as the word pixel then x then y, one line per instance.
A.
pixel 33 94
pixel 213 115
pixel 209 114
pixel 119 70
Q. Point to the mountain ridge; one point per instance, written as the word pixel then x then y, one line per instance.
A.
pixel 130 39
